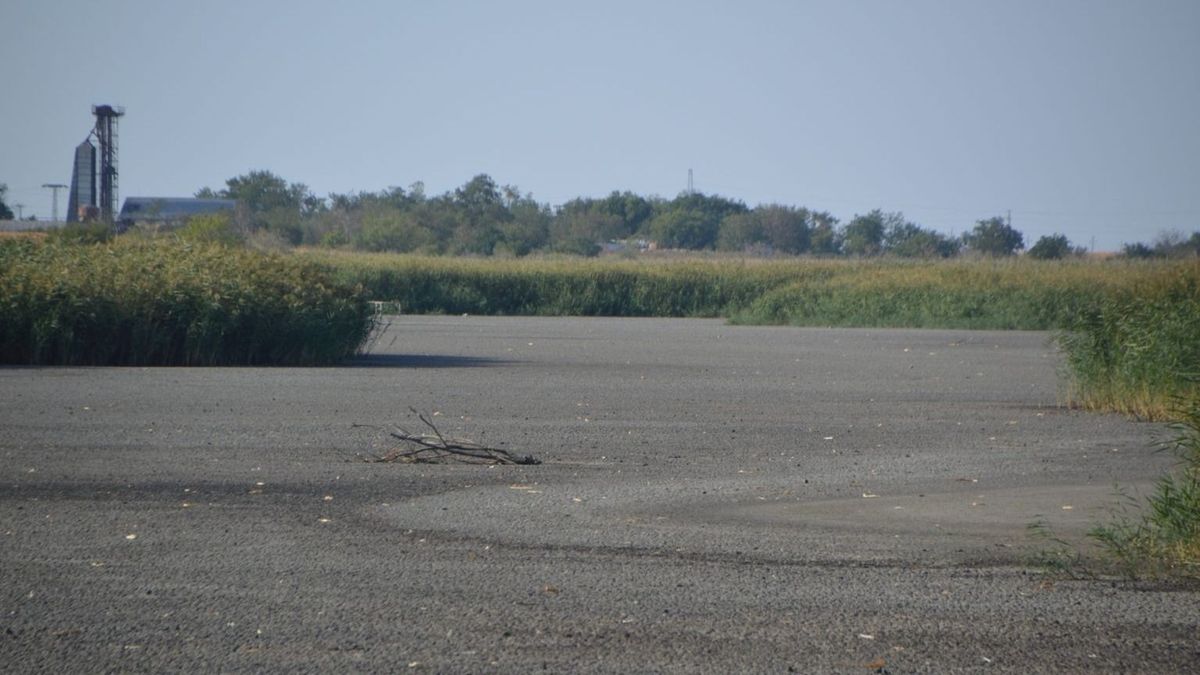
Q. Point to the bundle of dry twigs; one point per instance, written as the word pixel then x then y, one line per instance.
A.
pixel 426 448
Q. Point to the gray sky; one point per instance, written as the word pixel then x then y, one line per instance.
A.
pixel 1079 116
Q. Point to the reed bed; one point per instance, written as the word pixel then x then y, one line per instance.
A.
pixel 1137 349
pixel 138 302
pixel 555 286
pixel 999 294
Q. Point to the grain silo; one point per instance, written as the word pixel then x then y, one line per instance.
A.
pixel 82 199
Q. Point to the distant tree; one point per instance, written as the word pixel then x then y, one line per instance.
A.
pixel 1051 247
pixel 263 191
pixel 740 231
pixel 1174 244
pixel 863 236
pixel 684 228
pixel 5 212
pixel 529 228
pixel 994 237
pixel 389 229
pixel 481 201
pixel 785 228
pixel 824 236
pixel 1137 250
pixel 693 220
pixel 634 210
pixel 909 240
pixel 267 201
pixel 593 224
pixel 1168 244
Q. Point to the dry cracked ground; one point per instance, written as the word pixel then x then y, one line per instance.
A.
pixel 711 499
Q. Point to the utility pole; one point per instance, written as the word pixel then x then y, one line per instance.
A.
pixel 54 187
pixel 18 207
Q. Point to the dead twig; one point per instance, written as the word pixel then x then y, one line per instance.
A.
pixel 434 448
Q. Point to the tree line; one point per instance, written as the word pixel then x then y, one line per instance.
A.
pixel 484 218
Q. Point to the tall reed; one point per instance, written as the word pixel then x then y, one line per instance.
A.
pixel 137 302
pixel 1137 349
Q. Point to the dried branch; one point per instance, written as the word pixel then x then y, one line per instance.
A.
pixel 435 448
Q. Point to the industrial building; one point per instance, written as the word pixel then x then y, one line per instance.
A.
pixel 168 211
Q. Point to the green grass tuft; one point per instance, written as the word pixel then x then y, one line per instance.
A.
pixel 1162 537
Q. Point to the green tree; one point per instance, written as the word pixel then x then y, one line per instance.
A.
pixel 685 228
pixel 590 224
pixel 775 227
pixel 909 240
pixel 481 202
pixel 863 236
pixel 262 191
pixel 1137 250
pixel 785 228
pixel 267 201
pixel 529 228
pixel 481 213
pixel 824 237
pixel 634 211
pixel 5 212
pixel 693 220
pixel 1174 244
pixel 389 229
pixel 994 237
pixel 740 231
pixel 1051 247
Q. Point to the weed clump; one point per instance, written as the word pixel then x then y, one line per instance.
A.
pixel 1163 539
pixel 163 302
pixel 1132 349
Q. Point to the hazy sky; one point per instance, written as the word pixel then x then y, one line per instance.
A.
pixel 1079 116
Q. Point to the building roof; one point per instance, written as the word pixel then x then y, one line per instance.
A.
pixel 166 209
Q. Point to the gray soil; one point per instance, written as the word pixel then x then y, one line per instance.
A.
pixel 712 499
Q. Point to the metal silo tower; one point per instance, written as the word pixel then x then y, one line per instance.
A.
pixel 106 135
pixel 82 196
